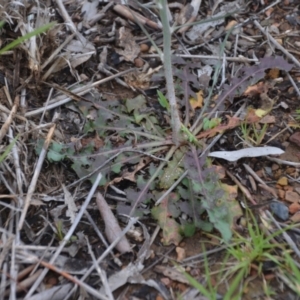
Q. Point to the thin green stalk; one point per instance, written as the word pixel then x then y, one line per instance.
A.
pixel 167 34
pixel 128 148
pixel 135 132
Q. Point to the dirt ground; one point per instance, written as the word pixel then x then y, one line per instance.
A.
pixel 98 201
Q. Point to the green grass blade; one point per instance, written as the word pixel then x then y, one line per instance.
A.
pixel 8 149
pixel 198 286
pixel 27 36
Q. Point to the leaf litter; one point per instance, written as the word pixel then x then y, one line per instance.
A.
pixel 122 129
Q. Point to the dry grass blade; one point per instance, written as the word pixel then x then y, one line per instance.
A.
pixel 61 100
pixel 9 119
pixel 106 252
pixel 36 174
pixel 68 235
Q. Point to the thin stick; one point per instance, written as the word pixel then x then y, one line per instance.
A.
pixel 242 188
pixel 68 235
pixel 9 119
pixel 105 253
pixel 227 58
pixel 101 272
pixel 79 91
pixel 36 174
pixel 283 162
pixel 171 188
pixel 257 178
pixel 285 235
pixel 277 45
pixel 19 175
pixel 50 58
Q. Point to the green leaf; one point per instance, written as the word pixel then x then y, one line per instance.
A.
pixel 116 168
pixel 188 229
pixel 135 103
pixel 54 152
pixel 163 100
pixel 8 149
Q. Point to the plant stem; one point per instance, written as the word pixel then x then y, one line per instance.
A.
pixel 175 119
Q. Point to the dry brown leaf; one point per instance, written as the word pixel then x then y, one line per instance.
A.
pixel 256 89
pixel 230 25
pixel 220 170
pixel 273 73
pixel 131 175
pixel 232 123
pixel 98 143
pixel 269 11
pixel 181 255
pixel 112 227
pixel 252 116
pixel 172 273
pixel 197 102
pixel 130 49
pixel 268 119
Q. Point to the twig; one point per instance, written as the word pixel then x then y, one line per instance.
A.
pixel 192 259
pixel 49 266
pixel 125 149
pixel 283 162
pixel 293 83
pixel 269 189
pixel 36 174
pixel 3 279
pixel 134 16
pixel 70 23
pixel 19 175
pixel 79 91
pixel 285 235
pixel 102 273
pixel 172 187
pixel 67 236
pixel 57 50
pixel 101 237
pixel 105 253
pixel 9 119
pixel 276 44
pixel 242 188
pixel 26 283
pixel 227 58
pixel 195 4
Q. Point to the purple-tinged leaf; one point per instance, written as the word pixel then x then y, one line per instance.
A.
pixel 250 75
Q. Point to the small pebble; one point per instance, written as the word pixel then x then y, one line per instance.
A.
pixel 280 210
pixel 138 62
pixel 281 194
pixel 295 138
pixel 294 207
pixel 291 196
pixel 296 218
pixel 144 47
pixel 297 189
